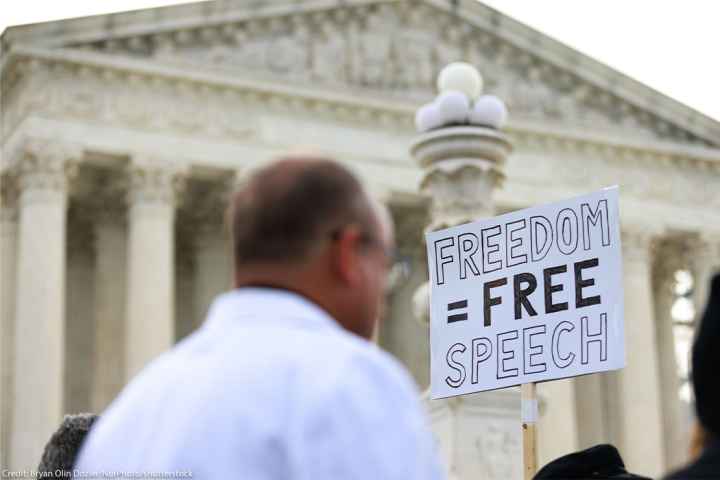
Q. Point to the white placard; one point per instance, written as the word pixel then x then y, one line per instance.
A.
pixel 529 296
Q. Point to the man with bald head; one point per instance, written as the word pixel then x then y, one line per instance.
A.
pixel 281 381
pixel 307 226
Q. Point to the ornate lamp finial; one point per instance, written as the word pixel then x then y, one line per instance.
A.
pixel 459 102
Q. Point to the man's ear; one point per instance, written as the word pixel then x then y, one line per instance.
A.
pixel 344 255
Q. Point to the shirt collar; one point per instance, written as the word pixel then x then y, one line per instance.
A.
pixel 268 307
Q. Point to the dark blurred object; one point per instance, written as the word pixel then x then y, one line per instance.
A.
pixel 598 462
pixel 704 468
pixel 64 445
pixel 705 362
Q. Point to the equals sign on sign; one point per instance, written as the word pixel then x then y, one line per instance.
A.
pixel 457 317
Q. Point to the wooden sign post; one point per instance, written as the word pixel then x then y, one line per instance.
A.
pixel 529 406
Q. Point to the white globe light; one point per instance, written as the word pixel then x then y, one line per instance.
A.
pixel 454 107
pixel 460 77
pixel 489 111
pixel 428 117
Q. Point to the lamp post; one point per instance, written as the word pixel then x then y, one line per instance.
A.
pixel 461 148
pixel 462 151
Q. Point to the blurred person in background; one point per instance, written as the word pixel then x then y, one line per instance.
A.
pixel 61 451
pixel 705 448
pixel 281 381
pixel 595 463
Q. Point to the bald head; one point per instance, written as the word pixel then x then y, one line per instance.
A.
pixel 288 208
pixel 306 225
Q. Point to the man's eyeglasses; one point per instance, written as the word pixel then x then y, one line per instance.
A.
pixel 368 240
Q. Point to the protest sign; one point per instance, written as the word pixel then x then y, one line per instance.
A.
pixel 528 296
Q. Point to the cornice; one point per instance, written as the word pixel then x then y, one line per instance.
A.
pixel 547 139
pixel 329 103
pixel 370 110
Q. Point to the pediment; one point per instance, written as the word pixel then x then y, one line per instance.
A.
pixel 390 48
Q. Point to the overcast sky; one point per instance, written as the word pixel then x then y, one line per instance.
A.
pixel 671 45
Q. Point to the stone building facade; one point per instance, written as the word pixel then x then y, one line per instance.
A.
pixel 123 134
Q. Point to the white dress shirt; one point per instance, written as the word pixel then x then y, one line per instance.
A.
pixel 271 387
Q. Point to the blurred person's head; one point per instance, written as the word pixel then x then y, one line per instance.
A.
pixel 598 462
pixel 61 451
pixel 705 361
pixel 305 224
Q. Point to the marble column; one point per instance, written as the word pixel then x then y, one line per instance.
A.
pixel 212 268
pixel 641 433
pixel 591 413
pixel 671 256
pixel 185 321
pixel 204 252
pixel 110 293
pixel 559 425
pixel 8 279
pixel 79 314
pixel 399 332
pixel 39 317
pixel 150 274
